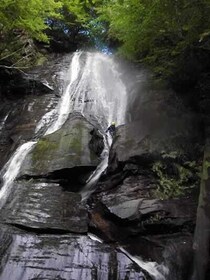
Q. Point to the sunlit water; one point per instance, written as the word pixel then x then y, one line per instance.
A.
pixel 92 87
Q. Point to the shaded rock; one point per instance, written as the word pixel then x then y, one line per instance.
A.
pixel 19 119
pixel 134 209
pixel 142 143
pixel 172 250
pixel 47 208
pixel 15 84
pixel 133 200
pixel 6 240
pixel 96 143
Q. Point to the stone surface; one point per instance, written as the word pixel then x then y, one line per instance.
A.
pixel 42 206
pixel 30 256
pixel 64 149
pixel 133 199
pixel 18 121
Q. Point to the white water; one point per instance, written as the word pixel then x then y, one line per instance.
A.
pixel 12 168
pixel 89 187
pixel 92 87
pixel 100 91
pixel 63 108
pixel 155 270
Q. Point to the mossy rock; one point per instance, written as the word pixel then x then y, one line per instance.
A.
pixel 66 148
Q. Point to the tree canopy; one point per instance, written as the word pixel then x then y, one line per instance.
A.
pixel 153 31
pixel 22 21
pixel 157 31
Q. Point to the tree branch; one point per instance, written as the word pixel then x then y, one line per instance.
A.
pixel 16 68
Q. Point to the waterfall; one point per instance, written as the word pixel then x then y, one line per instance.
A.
pixel 89 187
pixel 95 89
pixel 63 108
pixel 92 87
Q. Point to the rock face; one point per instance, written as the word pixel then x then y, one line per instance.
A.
pixel 65 154
pixel 144 203
pixel 24 100
pixel 149 193
pixel 47 208
pixel 61 257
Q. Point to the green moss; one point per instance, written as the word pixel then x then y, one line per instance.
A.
pixel 64 148
pixel 76 139
pixel 42 149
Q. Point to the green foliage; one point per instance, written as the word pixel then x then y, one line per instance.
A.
pixel 153 31
pixel 157 31
pixel 167 187
pixel 174 184
pixel 28 16
pixel 23 21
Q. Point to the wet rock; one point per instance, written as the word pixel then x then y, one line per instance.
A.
pixel 63 257
pixel 127 210
pixel 134 200
pixel 174 250
pixel 6 240
pixel 140 144
pixel 47 208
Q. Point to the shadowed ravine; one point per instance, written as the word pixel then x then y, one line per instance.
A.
pixel 66 178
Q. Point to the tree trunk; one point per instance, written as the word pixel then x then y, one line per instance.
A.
pixel 202 230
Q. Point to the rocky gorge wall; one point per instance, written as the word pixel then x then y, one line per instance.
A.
pixel 145 202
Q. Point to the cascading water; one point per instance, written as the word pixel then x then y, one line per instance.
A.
pixel 12 168
pixel 63 108
pixel 89 188
pixel 92 87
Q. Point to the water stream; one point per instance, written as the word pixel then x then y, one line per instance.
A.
pixel 12 168
pixel 94 88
